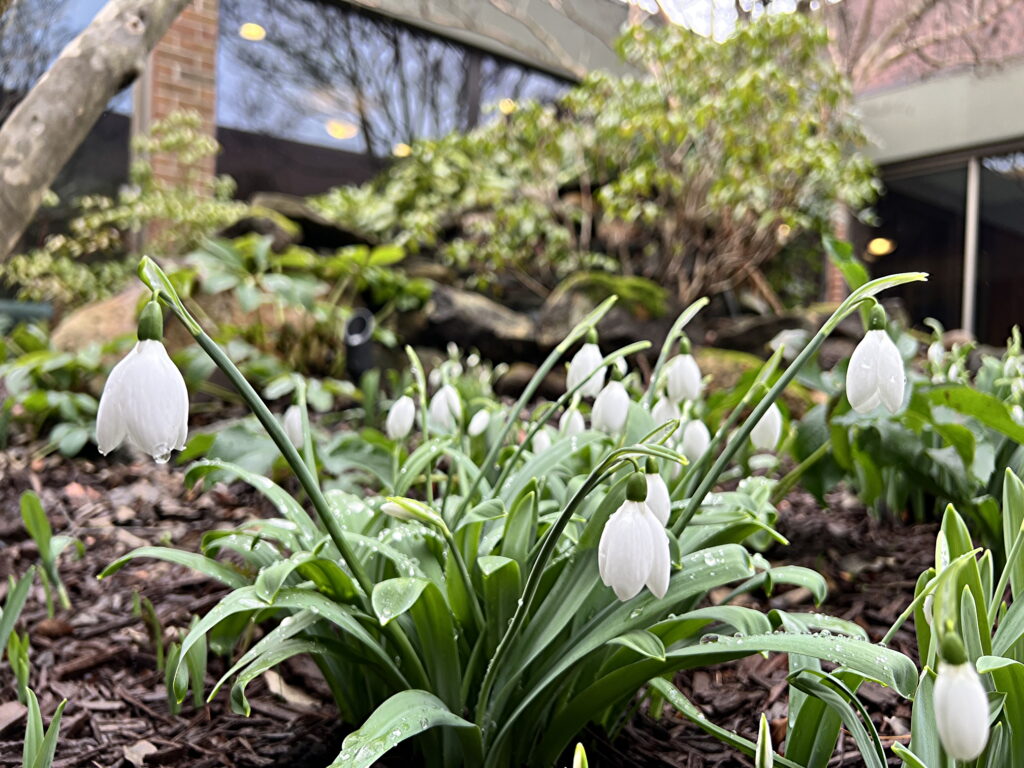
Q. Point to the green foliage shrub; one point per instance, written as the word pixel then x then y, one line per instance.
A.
pixel 691 173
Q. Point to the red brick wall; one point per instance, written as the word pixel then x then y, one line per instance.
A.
pixel 182 76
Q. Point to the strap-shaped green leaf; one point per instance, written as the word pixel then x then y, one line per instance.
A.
pixel 216 570
pixel 404 715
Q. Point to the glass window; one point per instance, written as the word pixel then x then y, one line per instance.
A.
pixel 1000 248
pixel 921 228
pixel 315 93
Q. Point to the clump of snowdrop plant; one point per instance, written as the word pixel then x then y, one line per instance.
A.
pixel 491 591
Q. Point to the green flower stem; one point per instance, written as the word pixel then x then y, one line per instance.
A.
pixel 307 432
pixel 421 387
pixel 575 334
pixel 615 460
pixel 460 563
pixel 794 475
pixel 860 296
pixel 666 349
pixel 276 432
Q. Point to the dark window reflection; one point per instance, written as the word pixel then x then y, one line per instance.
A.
pixel 922 227
pixel 1001 247
pixel 313 93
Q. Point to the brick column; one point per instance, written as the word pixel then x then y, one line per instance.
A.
pixel 835 285
pixel 181 75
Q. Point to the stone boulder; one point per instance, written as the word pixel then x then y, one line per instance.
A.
pixel 474 321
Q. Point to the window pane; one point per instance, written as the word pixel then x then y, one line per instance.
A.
pixel 1000 247
pixel 922 225
pixel 314 93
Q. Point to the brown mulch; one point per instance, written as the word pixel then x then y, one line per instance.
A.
pixel 100 657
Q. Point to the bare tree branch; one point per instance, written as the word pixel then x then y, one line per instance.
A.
pixel 44 130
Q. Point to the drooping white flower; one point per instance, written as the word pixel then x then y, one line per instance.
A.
pixel 961 710
pixel 400 418
pixel 144 402
pixel 478 424
pixel 611 409
pixel 587 359
pixel 682 376
pixel 541 441
pixel 665 411
pixel 634 547
pixel 875 375
pixel 292 424
pixel 445 409
pixel 696 439
pixel 572 423
pixel 766 433
pixel 658 499
pixel 397 511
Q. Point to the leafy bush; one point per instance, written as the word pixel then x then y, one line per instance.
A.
pixel 93 260
pixel 692 173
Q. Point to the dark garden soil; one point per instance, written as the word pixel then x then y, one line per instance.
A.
pixel 101 657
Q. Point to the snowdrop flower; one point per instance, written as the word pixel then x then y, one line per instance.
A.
pixel 658 499
pixel 583 362
pixel 611 408
pixel 445 409
pixel 478 424
pixel 292 424
pixel 875 375
pixel 572 423
pixel 541 441
pixel 398 424
pixel 696 439
pixel 766 433
pixel 683 379
pixel 144 401
pixel 1017 414
pixel 791 340
pixel 664 411
pixel 634 546
pixel 961 705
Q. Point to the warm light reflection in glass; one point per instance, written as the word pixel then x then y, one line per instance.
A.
pixel 401 150
pixel 252 31
pixel 340 129
pixel 881 246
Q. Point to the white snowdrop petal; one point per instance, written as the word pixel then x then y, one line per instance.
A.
pixel 665 411
pixel 611 408
pixel 683 378
pixel 961 711
pixel 658 500
pixel 478 424
pixel 766 433
pixel 587 359
pixel 445 409
pixel 110 423
pixel 660 565
pixel 891 376
pixel 572 423
pixel 541 441
pixel 400 418
pixel 292 424
pixel 696 439
pixel 624 552
pixel 862 374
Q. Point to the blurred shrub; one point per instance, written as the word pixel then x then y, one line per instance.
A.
pixel 691 174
